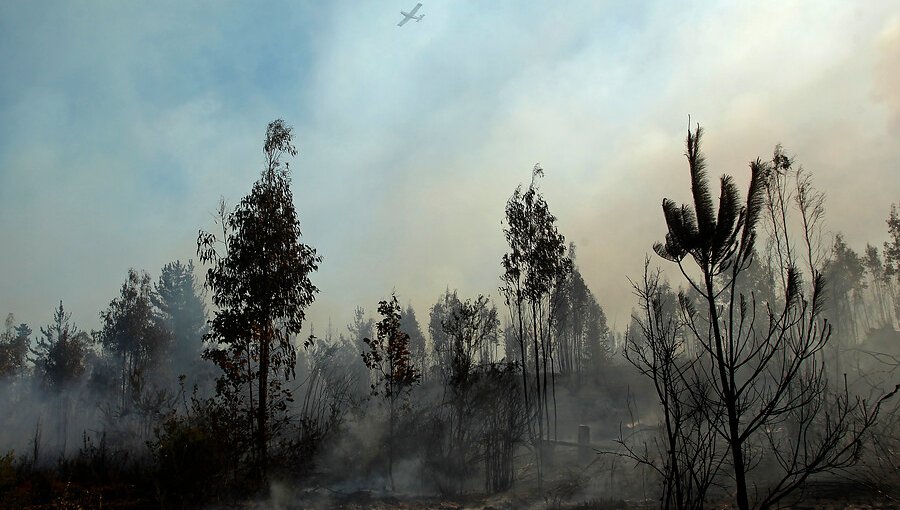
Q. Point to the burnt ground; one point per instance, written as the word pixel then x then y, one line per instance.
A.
pixel 827 495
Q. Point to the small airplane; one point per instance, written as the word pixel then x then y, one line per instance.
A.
pixel 411 15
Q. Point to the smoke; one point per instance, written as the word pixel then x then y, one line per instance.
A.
pixel 887 70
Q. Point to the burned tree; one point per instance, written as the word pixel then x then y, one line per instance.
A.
pixel 763 364
pixel 687 458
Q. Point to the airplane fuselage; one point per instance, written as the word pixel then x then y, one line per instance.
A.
pixel 411 14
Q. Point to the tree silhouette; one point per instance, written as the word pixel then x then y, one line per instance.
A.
pixel 260 285
pixel 879 286
pixel 389 358
pixel 845 273
pixel 440 340
pixel 686 459
pixel 359 329
pixel 471 328
pixel 532 270
pixel 579 325
pixel 410 325
pixel 892 258
pixel 14 343
pixel 60 352
pixel 767 375
pixel 59 365
pixel 182 312
pixel 132 334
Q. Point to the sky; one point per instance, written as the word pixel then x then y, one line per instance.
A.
pixel 123 123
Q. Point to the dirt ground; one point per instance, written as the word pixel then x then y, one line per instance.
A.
pixel 833 495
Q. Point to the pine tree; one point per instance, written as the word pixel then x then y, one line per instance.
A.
pixel 181 311
pixel 60 352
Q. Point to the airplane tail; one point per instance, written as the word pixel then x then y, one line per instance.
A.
pixel 420 18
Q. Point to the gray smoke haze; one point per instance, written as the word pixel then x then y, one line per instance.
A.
pixel 121 127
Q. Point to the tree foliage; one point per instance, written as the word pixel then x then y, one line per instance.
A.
pixel 181 311
pixel 440 341
pixel 133 337
pixel 388 357
pixel 388 354
pixel 14 343
pixel 410 325
pixel 532 270
pixel 60 352
pixel 261 288
pixel 580 326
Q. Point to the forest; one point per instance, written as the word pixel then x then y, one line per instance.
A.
pixel 757 370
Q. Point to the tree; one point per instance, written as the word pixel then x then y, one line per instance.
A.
pixel 579 325
pixel 440 341
pixel 687 459
pixel 767 376
pixel 410 325
pixel 14 343
pixel 758 279
pixel 482 416
pixel 361 328
pixel 503 422
pixel 532 270
pixel 133 336
pixel 181 311
pixel 59 364
pixel 892 247
pixel 260 285
pixel 875 272
pixel 472 329
pixel 892 257
pixel 389 358
pixel 328 392
pixel 844 271
pixel 60 352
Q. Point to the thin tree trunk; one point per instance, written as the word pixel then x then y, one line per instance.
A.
pixel 539 397
pixel 262 446
pixel 734 438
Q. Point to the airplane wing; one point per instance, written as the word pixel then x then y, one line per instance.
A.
pixel 403 21
pixel 415 9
